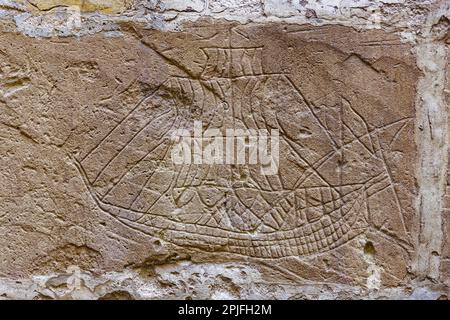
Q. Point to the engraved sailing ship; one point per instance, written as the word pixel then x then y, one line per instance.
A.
pixel 330 166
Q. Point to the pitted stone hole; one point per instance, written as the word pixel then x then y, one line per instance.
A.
pixel 369 249
pixel 157 243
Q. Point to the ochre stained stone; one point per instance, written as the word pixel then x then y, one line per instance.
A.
pixel 86 133
pixel 106 6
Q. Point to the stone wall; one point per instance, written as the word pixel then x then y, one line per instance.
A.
pixel 93 206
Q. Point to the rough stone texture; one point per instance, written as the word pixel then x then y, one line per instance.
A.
pixel 445 264
pixel 106 6
pixel 93 207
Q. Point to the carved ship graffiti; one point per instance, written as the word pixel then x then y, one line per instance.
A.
pixel 330 165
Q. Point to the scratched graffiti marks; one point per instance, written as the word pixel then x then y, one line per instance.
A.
pixel 334 180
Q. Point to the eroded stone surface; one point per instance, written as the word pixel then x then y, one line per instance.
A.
pixel 96 115
pixel 107 6
pixel 89 190
pixel 445 265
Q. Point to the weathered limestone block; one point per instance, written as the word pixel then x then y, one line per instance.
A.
pixel 445 262
pixel 235 6
pixel 181 5
pixel 100 198
pixel 86 140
